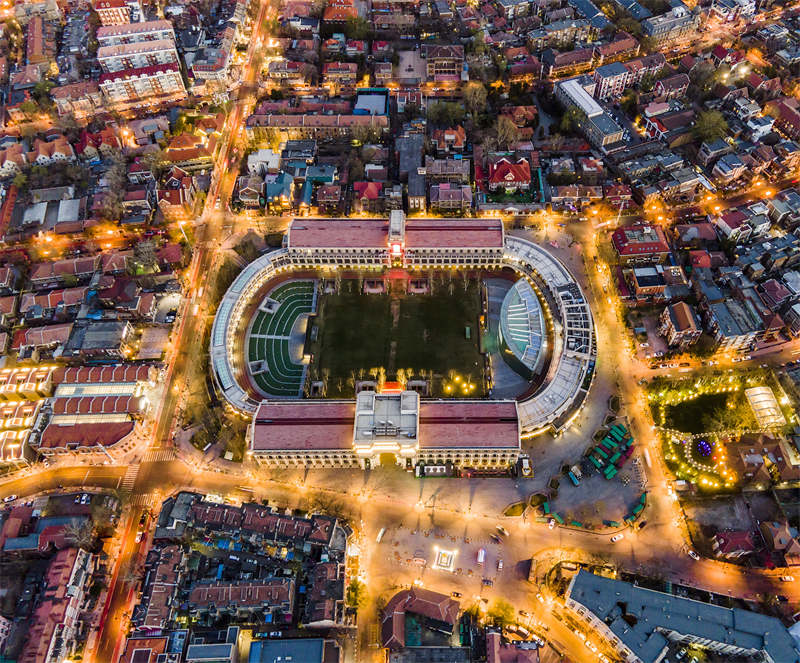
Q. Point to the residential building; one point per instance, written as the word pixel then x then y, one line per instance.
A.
pixel 143 87
pixel 678 24
pixel 510 175
pixel 680 325
pixel 641 623
pixel 54 631
pixel 443 62
pixel 131 33
pixel 307 650
pixel 113 12
pixel 599 127
pixel 448 197
pixel 641 243
pixel 137 55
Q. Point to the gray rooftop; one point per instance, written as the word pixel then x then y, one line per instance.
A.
pixel 651 613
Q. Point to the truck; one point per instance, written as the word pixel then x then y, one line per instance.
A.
pixel 481 556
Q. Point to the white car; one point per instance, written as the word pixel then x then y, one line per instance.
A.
pixel 502 530
pixel 552 523
pixel 10 498
pixel 694 555
pixel 499 564
pixel 139 536
pixel 617 537
pixel 540 598
pixel 787 578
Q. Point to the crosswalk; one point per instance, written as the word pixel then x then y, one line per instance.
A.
pixel 156 455
pixel 143 500
pixel 130 477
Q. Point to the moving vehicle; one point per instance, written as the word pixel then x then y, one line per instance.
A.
pixel 525 466
pixel 138 538
pixel 499 564
pixel 694 555
pixel 787 578
pixel 617 537
pixel 495 538
pixel 380 535
pixel 456 595
pixel 502 530
pixel 10 498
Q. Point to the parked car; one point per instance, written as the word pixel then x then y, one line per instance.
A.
pixel 10 498
pixel 787 578
pixel 502 530
pixel 617 537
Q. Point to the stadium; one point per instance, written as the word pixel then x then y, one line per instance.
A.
pixel 434 342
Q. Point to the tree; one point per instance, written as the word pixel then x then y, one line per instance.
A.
pixel 571 120
pixel 506 132
pixel 357 28
pixel 501 613
pixel 445 113
pixel 356 595
pixel 478 44
pixel 365 135
pixel 154 161
pixel 710 125
pixel 20 180
pixel 475 97
pixel 81 536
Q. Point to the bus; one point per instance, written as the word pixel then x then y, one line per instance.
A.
pixel 380 535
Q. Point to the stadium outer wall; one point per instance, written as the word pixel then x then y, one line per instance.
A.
pixel 552 407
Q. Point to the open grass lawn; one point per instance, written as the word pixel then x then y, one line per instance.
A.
pixel 432 332
pixel 419 332
pixel 354 333
pixel 711 412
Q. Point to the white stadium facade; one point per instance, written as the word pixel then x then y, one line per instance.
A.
pixel 297 432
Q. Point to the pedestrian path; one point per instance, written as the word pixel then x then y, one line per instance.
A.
pixel 130 477
pixel 156 455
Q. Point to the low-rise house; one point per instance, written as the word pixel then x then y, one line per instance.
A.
pixel 368 197
pixel 449 141
pixel 733 544
pixel 450 197
pixel 510 175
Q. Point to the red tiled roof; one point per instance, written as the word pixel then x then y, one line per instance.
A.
pixel 504 171
pixel 640 239
pixel 454 233
pixel 468 424
pixel 89 405
pixel 330 233
pixel 299 425
pixel 85 435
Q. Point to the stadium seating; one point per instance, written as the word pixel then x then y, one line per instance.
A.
pixel 268 340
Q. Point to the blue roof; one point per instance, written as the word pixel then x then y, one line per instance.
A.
pixel 307 650
pixel 30 542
